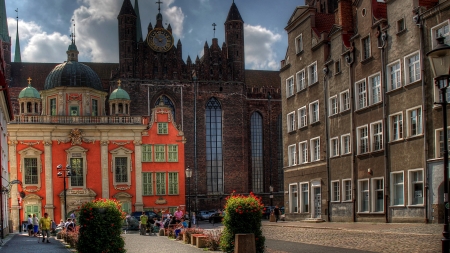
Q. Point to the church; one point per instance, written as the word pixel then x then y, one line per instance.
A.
pixel 130 129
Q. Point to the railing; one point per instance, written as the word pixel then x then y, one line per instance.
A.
pixel 115 120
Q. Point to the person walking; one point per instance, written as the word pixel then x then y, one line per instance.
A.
pixel 45 225
pixel 144 219
pixel 30 225
pixel 276 212
pixel 35 225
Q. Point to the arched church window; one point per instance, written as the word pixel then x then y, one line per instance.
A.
pixel 168 103
pixel 214 159
pixel 256 143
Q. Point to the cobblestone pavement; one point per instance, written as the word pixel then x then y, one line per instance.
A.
pixel 374 237
pixel 135 243
pixel 20 242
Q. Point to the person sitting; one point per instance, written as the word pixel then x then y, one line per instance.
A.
pixel 182 225
pixel 70 226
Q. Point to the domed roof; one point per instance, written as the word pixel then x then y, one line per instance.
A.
pixel 73 74
pixel 119 93
pixel 72 47
pixel 29 92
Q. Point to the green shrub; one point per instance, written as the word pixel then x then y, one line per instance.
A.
pixel 242 216
pixel 100 227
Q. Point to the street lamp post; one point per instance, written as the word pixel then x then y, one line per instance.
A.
pixel 440 64
pixel 64 173
pixel 189 175
pixel 271 195
pixel 18 209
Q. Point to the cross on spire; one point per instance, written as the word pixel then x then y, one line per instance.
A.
pixel 119 83
pixel 17 10
pixel 73 32
pixel 214 24
pixel 159 5
pixel 29 80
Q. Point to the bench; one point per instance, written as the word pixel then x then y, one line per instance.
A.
pixel 199 240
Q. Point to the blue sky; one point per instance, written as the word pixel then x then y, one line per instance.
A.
pixel 45 27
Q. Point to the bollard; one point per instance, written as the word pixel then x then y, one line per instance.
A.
pixel 244 243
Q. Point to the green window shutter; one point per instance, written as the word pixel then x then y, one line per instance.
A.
pixel 173 183
pixel 147 187
pixel 173 153
pixel 160 183
pixel 126 207
pixel 163 128
pixel 146 153
pixel 160 153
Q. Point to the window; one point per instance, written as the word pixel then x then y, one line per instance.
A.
pixel 214 158
pixel 31 171
pixel 301 84
pixel 256 142
pixel 312 73
pixel 291 155
pixel 173 183
pixel 293 199
pixel 365 43
pixel 394 75
pixel 363 188
pixel 290 86
pixel 173 153
pixel 160 153
pixel 345 101
pixel 163 128
pixel 334 147
pixel 291 122
pixel 396 127
pixel 121 173
pixel 304 198
pixel 378 195
pixel 53 107
pixel 438 95
pixel 314 112
pixel 397 189
pixel 77 178
pixel 146 153
pixel 303 147
pixel 415 187
pixel 347 190
pixel 440 30
pixel 167 102
pixel 363 140
pixel 147 184
pixel 302 117
pixel 345 144
pixel 375 89
pixel 315 149
pixel 400 25
pixel 337 67
pixel 160 183
pixel 361 94
pixel 440 142
pixel 376 130
pixel 414 121
pixel 94 107
pixel 333 105
pixel 412 66
pixel 335 193
pixel 298 44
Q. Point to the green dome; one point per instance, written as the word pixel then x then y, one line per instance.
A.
pixel 72 47
pixel 29 92
pixel 119 93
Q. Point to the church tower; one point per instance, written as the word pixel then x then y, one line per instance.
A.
pixel 4 33
pixel 234 37
pixel 17 57
pixel 127 39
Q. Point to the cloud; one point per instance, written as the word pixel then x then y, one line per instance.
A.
pixel 259 47
pixel 175 16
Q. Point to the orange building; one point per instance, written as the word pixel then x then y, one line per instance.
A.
pixel 137 160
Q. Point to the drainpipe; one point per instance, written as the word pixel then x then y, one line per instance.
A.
pixel 327 137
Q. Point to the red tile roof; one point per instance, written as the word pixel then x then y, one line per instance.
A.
pixel 379 9
pixel 262 78
pixel 324 22
pixel 428 3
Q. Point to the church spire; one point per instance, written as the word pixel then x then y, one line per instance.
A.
pixel 138 22
pixel 4 33
pixel 72 51
pixel 17 57
pixel 233 14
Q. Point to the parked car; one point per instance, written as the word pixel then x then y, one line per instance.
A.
pixel 215 218
pixel 202 215
pixel 150 214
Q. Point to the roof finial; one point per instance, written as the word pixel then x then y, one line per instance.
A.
pixel 119 83
pixel 29 81
pixel 73 32
pixel 214 24
pixel 159 6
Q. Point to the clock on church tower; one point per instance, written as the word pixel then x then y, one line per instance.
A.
pixel 160 40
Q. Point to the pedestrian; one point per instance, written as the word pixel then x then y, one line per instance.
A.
pixel 53 227
pixel 45 225
pixel 178 214
pixel 144 219
pixel 35 225
pixel 69 225
pixel 30 225
pixel 276 212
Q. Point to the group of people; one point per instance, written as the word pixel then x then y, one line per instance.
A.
pixel 44 225
pixel 177 220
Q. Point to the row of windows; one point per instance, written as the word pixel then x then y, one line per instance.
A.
pixel 303 116
pixel 412 71
pixel 314 144
pixel 301 79
pixel 160 183
pixel 157 153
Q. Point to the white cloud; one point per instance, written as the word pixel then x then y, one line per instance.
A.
pixel 259 47
pixel 175 17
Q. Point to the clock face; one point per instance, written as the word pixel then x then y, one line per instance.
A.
pixel 160 40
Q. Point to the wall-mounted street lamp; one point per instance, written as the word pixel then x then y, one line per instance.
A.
pixel 189 175
pixel 64 173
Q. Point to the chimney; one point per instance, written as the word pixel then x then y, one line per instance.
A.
pixel 344 15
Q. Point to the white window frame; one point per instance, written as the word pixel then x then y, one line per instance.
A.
pixel 419 124
pixel 291 192
pixel 121 152
pixel 438 96
pixel 334 147
pixel 393 190
pixel 334 106
pixel 335 191
pixel 375 90
pixel 290 86
pixel 344 190
pixel 393 122
pixel 312 73
pixel 411 184
pixel 437 142
pixel 361 94
pixel 417 70
pixel 301 80
pixel 302 118
pixel 302 200
pixel 360 139
pixel 361 195
pixel 303 152
pixel 291 155
pixel 290 120
pixel 315 149
pixel 374 194
pixel 33 153
pixel 343 143
pixel 345 101
pixel 446 33
pixel 314 114
pixel 298 44
pixel 374 134
pixel 363 40
pixel 396 74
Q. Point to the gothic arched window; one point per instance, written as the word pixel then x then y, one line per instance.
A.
pixel 168 103
pixel 256 142
pixel 214 161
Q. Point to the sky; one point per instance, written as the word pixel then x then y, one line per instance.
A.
pixel 45 27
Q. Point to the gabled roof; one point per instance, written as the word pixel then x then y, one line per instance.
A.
pixel 234 14
pixel 297 13
pixel 262 78
pixel 127 8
